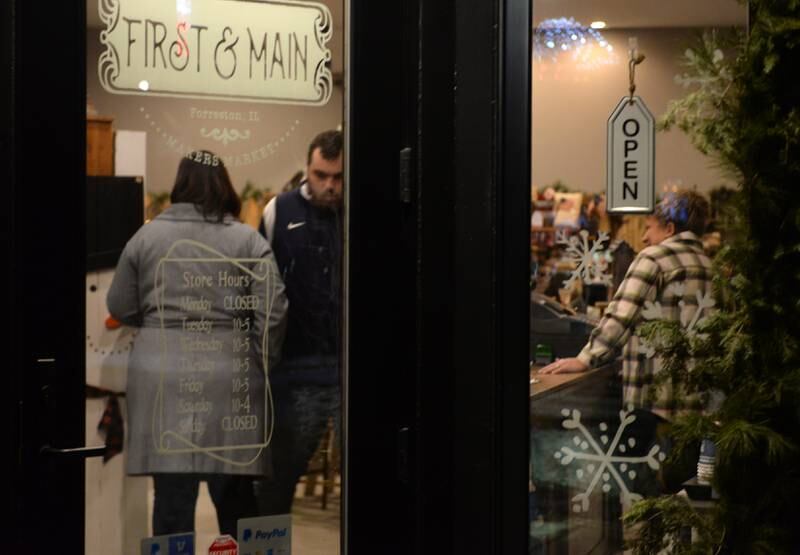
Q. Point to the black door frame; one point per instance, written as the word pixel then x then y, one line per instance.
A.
pixel 43 158
pixel 447 384
pixel 493 138
pixel 439 284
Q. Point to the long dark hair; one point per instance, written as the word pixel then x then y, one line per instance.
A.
pixel 203 180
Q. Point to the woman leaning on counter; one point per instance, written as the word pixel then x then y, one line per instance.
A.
pixel 672 270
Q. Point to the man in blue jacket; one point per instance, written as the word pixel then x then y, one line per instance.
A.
pixel 304 227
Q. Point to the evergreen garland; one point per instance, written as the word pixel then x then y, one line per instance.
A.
pixel 743 112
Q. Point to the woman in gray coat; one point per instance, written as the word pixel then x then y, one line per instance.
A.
pixel 204 290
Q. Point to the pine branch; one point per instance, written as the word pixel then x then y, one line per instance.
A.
pixel 742 109
pixel 661 524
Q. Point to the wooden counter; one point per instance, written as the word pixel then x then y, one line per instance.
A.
pixel 543 385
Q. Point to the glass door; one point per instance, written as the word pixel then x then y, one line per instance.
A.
pixel 599 430
pixel 214 324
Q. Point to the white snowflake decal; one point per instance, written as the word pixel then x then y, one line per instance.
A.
pixel 654 311
pixel 589 269
pixel 597 464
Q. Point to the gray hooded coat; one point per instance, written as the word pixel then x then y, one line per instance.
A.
pixel 211 309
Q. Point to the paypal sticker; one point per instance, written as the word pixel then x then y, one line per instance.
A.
pixel 267 535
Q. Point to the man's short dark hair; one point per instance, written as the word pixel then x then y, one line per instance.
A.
pixel 329 143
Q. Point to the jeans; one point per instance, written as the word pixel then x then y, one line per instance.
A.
pixel 301 418
pixel 176 498
pixel 650 429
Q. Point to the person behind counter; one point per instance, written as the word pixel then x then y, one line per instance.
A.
pixel 181 280
pixel 674 255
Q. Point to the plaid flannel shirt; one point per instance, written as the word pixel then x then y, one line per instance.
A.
pixel 673 276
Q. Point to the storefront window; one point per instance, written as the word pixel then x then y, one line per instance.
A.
pixel 215 164
pixel 599 426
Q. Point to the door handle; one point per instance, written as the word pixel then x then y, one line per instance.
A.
pixel 74 453
pixel 47 370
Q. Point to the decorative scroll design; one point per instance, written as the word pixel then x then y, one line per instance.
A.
pixel 108 64
pixel 323 79
pixel 225 135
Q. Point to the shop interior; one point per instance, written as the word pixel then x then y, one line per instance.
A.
pixel 580 55
pixel 580 253
pixel 134 144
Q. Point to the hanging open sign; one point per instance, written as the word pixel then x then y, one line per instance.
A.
pixel 631 158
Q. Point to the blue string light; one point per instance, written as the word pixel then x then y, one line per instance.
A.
pixel 558 35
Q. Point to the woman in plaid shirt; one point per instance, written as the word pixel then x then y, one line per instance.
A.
pixel 670 280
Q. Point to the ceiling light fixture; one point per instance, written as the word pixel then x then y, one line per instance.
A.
pixel 598 25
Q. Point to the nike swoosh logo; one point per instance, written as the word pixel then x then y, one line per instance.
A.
pixel 295 225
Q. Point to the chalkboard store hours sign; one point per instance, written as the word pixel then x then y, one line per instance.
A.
pixel 248 50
